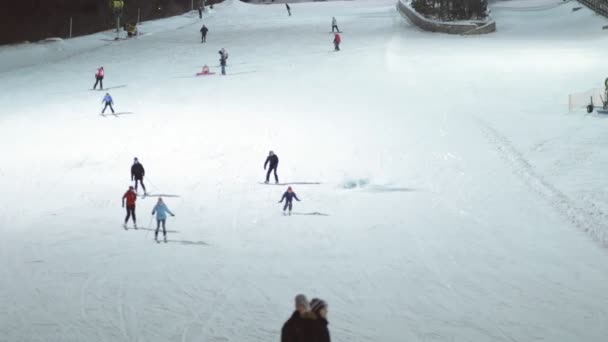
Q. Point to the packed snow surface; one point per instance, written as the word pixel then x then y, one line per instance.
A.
pixel 459 200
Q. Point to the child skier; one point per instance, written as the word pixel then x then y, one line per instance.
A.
pixel 107 100
pixel 337 40
pixel 204 31
pixel 161 210
pixel 99 78
pixel 288 196
pixel 130 197
pixel 273 160
pixel 137 174
pixel 334 25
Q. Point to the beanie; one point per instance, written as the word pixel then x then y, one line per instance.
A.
pixel 317 305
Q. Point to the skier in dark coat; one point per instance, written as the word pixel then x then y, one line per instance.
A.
pixel 319 308
pixel 288 9
pixel 204 31
pixel 288 196
pixel 273 160
pixel 300 327
pixel 137 174
pixel 223 60
pixel 200 11
pixel 223 64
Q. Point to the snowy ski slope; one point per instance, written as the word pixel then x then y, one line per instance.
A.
pixel 460 199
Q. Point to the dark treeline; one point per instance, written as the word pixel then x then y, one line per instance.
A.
pixel 452 9
pixel 32 20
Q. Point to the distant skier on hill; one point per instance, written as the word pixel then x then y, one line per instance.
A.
pixel 223 64
pixel 130 196
pixel 223 60
pixel 204 31
pixel 99 78
pixel 108 102
pixel 334 25
pixel 288 196
pixel 137 174
pixel 161 210
pixel 337 41
pixel 200 11
pixel 288 9
pixel 273 160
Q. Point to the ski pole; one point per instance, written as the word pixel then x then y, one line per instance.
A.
pixel 149 226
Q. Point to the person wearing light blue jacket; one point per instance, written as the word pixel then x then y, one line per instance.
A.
pixel 161 210
pixel 107 100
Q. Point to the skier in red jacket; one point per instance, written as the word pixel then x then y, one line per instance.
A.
pixel 99 78
pixel 131 197
pixel 337 40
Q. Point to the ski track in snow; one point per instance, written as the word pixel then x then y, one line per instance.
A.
pixel 587 218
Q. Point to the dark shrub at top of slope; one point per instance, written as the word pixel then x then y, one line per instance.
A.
pixel 33 20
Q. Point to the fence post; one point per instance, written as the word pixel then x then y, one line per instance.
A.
pixel 70 27
pixel 117 27
pixel 138 16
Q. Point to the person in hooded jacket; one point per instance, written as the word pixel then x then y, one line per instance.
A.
pixel 288 196
pixel 161 210
pixel 99 78
pixel 320 332
pixel 301 326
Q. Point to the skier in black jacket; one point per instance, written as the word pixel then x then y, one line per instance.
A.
pixel 273 160
pixel 137 174
pixel 288 196
pixel 204 31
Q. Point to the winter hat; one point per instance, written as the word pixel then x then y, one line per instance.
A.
pixel 317 305
pixel 289 188
pixel 301 300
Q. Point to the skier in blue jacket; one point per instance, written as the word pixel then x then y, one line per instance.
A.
pixel 107 100
pixel 161 210
pixel 288 196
